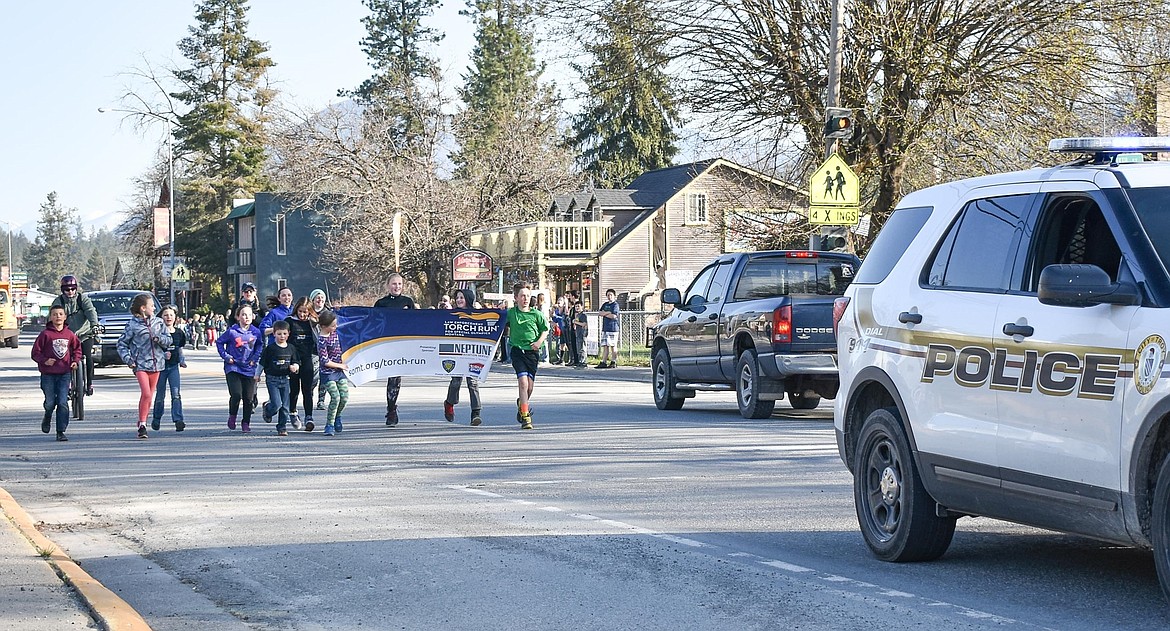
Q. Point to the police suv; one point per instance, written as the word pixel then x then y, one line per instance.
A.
pixel 1002 352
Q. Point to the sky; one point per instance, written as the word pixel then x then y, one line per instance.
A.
pixel 64 60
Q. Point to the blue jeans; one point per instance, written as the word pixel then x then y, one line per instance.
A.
pixel 168 377
pixel 278 398
pixel 56 389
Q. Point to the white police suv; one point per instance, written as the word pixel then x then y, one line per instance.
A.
pixel 1002 353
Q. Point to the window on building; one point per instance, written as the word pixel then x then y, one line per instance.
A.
pixel 281 283
pixel 281 239
pixel 696 208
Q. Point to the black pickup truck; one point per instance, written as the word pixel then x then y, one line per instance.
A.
pixel 760 323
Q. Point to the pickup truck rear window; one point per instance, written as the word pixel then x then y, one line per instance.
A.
pixel 779 276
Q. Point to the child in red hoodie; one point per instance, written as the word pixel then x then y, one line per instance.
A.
pixel 57 352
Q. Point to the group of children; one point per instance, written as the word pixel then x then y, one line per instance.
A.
pixel 300 340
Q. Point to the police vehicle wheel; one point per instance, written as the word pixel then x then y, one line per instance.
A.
pixel 1160 526
pixel 747 387
pixel 664 383
pixel 896 515
pixel 802 402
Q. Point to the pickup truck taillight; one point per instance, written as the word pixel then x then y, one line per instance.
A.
pixel 782 325
pixel 838 311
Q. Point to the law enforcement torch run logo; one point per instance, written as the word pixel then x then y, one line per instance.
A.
pixel 1148 359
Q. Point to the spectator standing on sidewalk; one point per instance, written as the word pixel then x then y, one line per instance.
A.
pixel 610 330
pixel 579 323
pixel 394 299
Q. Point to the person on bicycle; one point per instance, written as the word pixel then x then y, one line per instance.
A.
pixel 82 319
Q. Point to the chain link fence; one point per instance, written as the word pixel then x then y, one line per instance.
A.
pixel 634 339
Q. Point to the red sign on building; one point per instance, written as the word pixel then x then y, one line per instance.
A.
pixel 471 265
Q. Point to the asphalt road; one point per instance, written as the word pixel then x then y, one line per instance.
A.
pixel 610 515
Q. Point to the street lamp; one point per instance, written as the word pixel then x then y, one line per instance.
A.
pixel 171 123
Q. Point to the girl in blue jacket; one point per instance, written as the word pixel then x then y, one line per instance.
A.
pixel 240 347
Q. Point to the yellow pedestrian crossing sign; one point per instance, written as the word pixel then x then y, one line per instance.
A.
pixel 834 193
pixel 180 274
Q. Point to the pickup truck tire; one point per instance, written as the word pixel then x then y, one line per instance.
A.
pixel 801 402
pixel 1160 526
pixel 13 342
pixel 747 384
pixel 664 397
pixel 896 514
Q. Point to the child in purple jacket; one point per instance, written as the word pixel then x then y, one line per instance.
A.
pixel 240 347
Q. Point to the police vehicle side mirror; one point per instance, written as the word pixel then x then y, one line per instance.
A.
pixel 1083 286
pixel 672 297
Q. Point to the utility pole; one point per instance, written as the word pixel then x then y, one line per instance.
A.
pixel 833 93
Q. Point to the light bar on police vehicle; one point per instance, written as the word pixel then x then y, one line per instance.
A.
pixel 1119 144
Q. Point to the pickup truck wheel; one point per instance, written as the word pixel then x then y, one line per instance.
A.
pixel 747 384
pixel 1160 526
pixel 896 514
pixel 664 383
pixel 802 402
pixel 13 342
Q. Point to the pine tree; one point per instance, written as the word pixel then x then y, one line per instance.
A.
pixel 99 265
pixel 503 79
pixel 50 255
pixel 395 42
pixel 222 134
pixel 626 127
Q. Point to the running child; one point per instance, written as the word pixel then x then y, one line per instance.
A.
pixel 318 299
pixel 240 347
pixel 57 352
pixel 304 339
pixel 142 347
pixel 526 331
pixel 170 373
pixel 464 299
pixel 278 361
pixel 333 370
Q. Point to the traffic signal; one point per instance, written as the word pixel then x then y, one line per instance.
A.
pixel 833 239
pixel 838 122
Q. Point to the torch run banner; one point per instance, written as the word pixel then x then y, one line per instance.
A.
pixel 380 343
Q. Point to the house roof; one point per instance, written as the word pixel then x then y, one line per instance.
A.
pixel 623 198
pixel 671 179
pixel 243 210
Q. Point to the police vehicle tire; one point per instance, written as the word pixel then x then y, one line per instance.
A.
pixel 800 402
pixel 896 514
pixel 1160 526
pixel 747 387
pixel 664 382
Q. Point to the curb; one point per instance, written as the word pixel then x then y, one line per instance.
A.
pixel 110 611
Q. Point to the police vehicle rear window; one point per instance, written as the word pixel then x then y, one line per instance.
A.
pixel 780 276
pixel 1152 206
pixel 894 239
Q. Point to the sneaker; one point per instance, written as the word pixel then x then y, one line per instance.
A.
pixel 180 426
pixel 296 421
pixel 337 425
pixel 62 438
pixel 449 412
pixel 282 432
pixel 475 418
pixel 231 422
pixel 309 424
pixel 265 414
pixel 142 431
pixel 602 365
pixel 155 424
pixel 321 404
pixel 47 423
pixel 392 417
pixel 246 427
pixel 88 392
pixel 328 430
pixel 526 421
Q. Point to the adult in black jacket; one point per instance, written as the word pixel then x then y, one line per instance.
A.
pixel 81 318
pixel 248 297
pixel 394 300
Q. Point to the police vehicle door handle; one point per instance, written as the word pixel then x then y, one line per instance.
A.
pixel 713 316
pixel 691 319
pixel 1018 329
pixel 910 318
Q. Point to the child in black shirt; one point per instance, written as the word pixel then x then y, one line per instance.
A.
pixel 279 360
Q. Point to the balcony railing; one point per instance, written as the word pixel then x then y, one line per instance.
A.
pixel 543 238
pixel 241 261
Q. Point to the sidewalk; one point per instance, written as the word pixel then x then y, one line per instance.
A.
pixel 620 373
pixel 42 588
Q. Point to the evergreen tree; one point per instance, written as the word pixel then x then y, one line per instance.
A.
pixel 222 134
pixel 395 42
pixel 626 127
pixel 50 255
pixel 503 79
pixel 103 254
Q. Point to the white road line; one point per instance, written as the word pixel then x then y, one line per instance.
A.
pixel 855 586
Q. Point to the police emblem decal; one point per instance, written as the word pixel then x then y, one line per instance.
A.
pixel 1147 363
pixel 448 365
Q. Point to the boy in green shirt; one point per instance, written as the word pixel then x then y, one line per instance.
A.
pixel 526 331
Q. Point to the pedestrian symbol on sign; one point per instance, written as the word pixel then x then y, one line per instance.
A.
pixel 180 274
